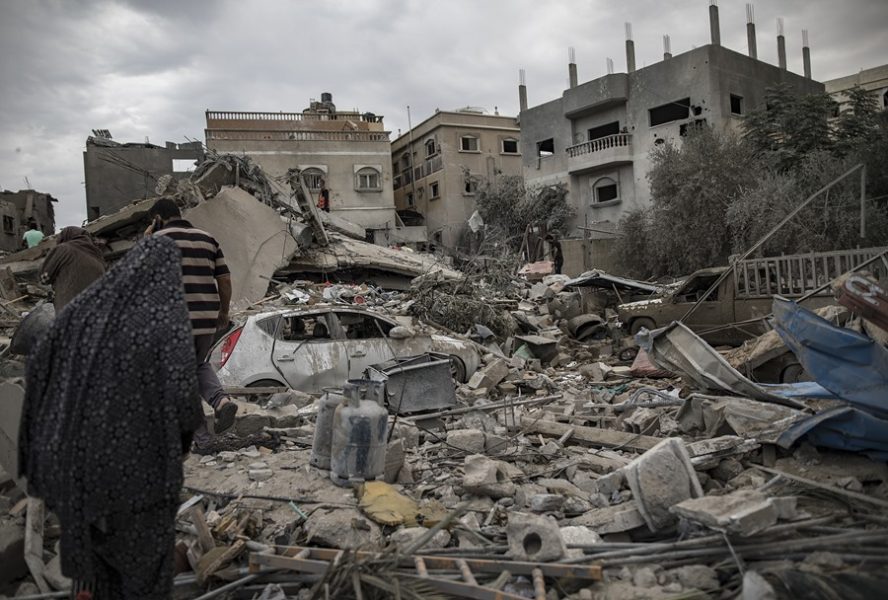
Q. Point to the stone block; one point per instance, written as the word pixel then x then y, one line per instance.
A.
pixel 661 478
pixel 534 538
pixel 489 376
pixel 527 491
pixel 469 440
pixel 611 519
pixel 345 528
pixel 540 503
pixel 744 512
pixel 575 506
pixel 406 536
pixel 578 535
pixel 487 477
pixel 610 483
pixel 496 444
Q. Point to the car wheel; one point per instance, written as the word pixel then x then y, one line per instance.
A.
pixel 457 369
pixel 640 322
pixel 262 383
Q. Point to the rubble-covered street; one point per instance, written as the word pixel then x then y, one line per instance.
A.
pixel 569 460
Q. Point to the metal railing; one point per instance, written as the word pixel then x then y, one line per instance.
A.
pixel 296 136
pixel 597 145
pixel 229 115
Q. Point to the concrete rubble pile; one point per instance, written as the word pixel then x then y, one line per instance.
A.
pixel 577 461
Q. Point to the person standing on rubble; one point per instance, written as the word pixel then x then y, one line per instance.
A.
pixel 32 236
pixel 556 253
pixel 72 265
pixel 107 420
pixel 208 293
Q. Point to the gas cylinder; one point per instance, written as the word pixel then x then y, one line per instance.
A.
pixel 323 433
pixel 360 425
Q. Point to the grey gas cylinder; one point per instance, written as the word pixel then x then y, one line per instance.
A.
pixel 323 433
pixel 360 425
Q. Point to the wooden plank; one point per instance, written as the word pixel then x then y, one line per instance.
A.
pixel 34 543
pixel 204 537
pixel 594 436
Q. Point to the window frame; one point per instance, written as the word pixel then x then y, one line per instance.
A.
pixel 739 99
pixel 433 144
pixel 434 190
pixel 314 172
pixel 605 182
pixel 503 146
pixel 468 136
pixel 470 181
pixel 367 172
pixel 539 148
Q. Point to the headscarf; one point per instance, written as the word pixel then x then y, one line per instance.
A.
pixel 111 398
pixel 79 237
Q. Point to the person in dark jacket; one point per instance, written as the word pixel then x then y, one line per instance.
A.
pixel 110 408
pixel 72 265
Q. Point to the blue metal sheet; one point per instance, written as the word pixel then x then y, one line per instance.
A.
pixel 849 364
pixel 843 428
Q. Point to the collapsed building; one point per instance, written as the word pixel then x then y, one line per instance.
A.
pixel 17 209
pixel 569 461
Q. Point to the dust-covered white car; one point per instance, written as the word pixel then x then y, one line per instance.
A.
pixel 309 349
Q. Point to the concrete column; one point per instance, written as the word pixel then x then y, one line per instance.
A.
pixel 781 44
pixel 667 48
pixel 713 24
pixel 630 49
pixel 806 54
pixel 572 67
pixel 522 92
pixel 750 31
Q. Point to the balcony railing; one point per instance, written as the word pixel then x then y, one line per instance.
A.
pixel 227 115
pixel 297 136
pixel 611 141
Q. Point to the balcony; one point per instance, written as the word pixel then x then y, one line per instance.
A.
pixel 296 136
pixel 602 152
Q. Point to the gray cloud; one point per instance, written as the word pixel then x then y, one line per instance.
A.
pixel 151 67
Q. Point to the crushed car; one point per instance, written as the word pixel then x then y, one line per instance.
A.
pixel 313 348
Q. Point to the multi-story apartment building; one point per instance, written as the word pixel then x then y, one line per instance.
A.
pixel 17 208
pixel 598 136
pixel 118 173
pixel 348 153
pixel 874 80
pixel 440 164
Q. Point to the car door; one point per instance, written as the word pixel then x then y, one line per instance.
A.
pixel 307 354
pixel 364 339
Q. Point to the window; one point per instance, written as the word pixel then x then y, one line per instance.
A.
pixel 885 100
pixel 411 201
pixel 314 178
pixel 301 328
pixel 468 143
pixel 434 190
pixel 362 327
pixel 695 126
pixel 694 289
pixel 470 185
pixel 431 147
pixel 605 189
pixel 8 224
pixel 674 111
pixel 367 179
pixel 546 148
pixel 183 165
pixel 510 146
pixel 405 162
pixel 736 105
pixel 604 131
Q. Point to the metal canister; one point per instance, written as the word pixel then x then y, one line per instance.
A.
pixel 323 433
pixel 360 425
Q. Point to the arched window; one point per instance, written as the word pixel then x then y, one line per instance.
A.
pixel 314 178
pixel 431 147
pixel 367 180
pixel 605 189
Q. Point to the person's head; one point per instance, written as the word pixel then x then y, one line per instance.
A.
pixel 71 233
pixel 166 210
pixel 32 224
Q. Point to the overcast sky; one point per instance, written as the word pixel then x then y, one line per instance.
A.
pixel 151 67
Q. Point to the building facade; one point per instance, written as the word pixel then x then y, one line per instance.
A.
pixel 598 136
pixel 17 208
pixel 440 164
pixel 874 80
pixel 116 174
pixel 348 153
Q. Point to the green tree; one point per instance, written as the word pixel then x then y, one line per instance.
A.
pixel 858 125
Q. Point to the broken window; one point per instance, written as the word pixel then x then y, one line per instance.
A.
pixel 431 147
pixel 183 165
pixel 434 190
pixel 674 111
pixel 546 148
pixel 470 185
pixel 314 178
pixel 362 327
pixel 510 146
pixel 604 131
pixel 411 201
pixel 736 104
pixel 367 179
pixel 605 189
pixel 695 126
pixel 469 143
pixel 8 224
pixel 696 287
pixel 303 328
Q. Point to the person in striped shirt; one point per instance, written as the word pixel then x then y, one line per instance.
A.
pixel 208 294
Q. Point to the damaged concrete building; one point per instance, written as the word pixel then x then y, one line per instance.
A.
pixel 118 173
pixel 874 80
pixel 17 208
pixel 440 164
pixel 346 153
pixel 596 138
